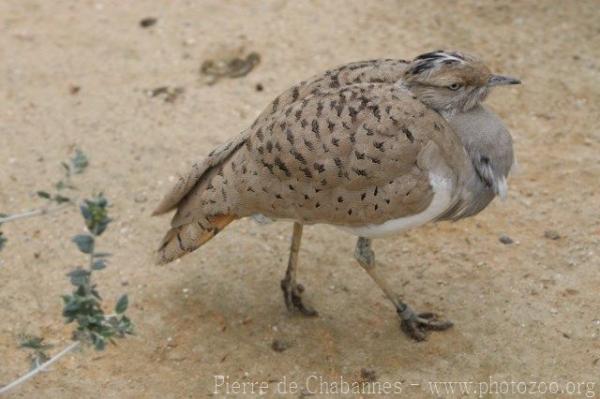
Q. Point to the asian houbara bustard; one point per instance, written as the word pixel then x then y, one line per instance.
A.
pixel 374 148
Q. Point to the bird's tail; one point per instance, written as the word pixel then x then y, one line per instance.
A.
pixel 186 238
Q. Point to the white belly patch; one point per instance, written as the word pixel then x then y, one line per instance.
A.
pixel 442 189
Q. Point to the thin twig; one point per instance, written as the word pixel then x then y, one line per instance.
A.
pixel 35 212
pixel 36 370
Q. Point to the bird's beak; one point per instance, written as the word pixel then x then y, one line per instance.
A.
pixel 499 80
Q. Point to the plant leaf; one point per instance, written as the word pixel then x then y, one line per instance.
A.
pixel 79 277
pixel 122 304
pixel 85 243
pixel 60 199
pixel 66 167
pixel 100 344
pixel 101 226
pixel 102 254
pixel 79 161
pixel 43 194
pixel 96 294
pixel 31 342
pixel 71 307
pixel 85 212
pixel 98 264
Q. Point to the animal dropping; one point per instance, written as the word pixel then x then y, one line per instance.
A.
pixel 374 148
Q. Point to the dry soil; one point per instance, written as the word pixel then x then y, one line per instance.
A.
pixel 526 311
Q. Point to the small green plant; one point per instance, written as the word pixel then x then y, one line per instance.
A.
pixel 83 305
pixel 76 166
pixel 38 349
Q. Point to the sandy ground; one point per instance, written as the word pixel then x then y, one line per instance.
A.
pixel 529 311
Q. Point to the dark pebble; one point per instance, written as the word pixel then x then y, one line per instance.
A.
pixel 368 375
pixel 506 240
pixel 279 345
pixel 73 89
pixel 551 235
pixel 148 22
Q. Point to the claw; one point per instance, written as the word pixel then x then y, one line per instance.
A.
pixel 292 296
pixel 415 326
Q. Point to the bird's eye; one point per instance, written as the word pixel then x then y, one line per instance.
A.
pixel 454 86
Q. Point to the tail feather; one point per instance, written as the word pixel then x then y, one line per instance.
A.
pixel 199 173
pixel 186 238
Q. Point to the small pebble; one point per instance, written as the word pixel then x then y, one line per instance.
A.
pixel 279 345
pixel 551 235
pixel 140 198
pixel 147 22
pixel 259 87
pixel 368 374
pixel 506 240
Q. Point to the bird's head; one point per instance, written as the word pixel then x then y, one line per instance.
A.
pixel 451 82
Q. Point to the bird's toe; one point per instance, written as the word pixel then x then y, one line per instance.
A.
pixel 292 295
pixel 417 325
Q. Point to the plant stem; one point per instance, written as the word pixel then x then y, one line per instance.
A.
pixel 35 212
pixel 35 371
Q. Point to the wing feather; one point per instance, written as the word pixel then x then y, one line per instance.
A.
pixel 347 155
pixel 371 71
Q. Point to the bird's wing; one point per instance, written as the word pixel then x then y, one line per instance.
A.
pixel 372 71
pixel 359 153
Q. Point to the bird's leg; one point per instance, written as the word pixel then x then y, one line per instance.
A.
pixel 292 291
pixel 413 324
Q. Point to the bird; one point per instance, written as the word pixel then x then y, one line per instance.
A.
pixel 372 147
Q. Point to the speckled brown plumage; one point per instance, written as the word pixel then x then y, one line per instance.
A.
pixel 380 71
pixel 345 148
pixel 357 161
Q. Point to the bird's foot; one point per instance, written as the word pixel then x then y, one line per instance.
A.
pixel 416 325
pixel 292 295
